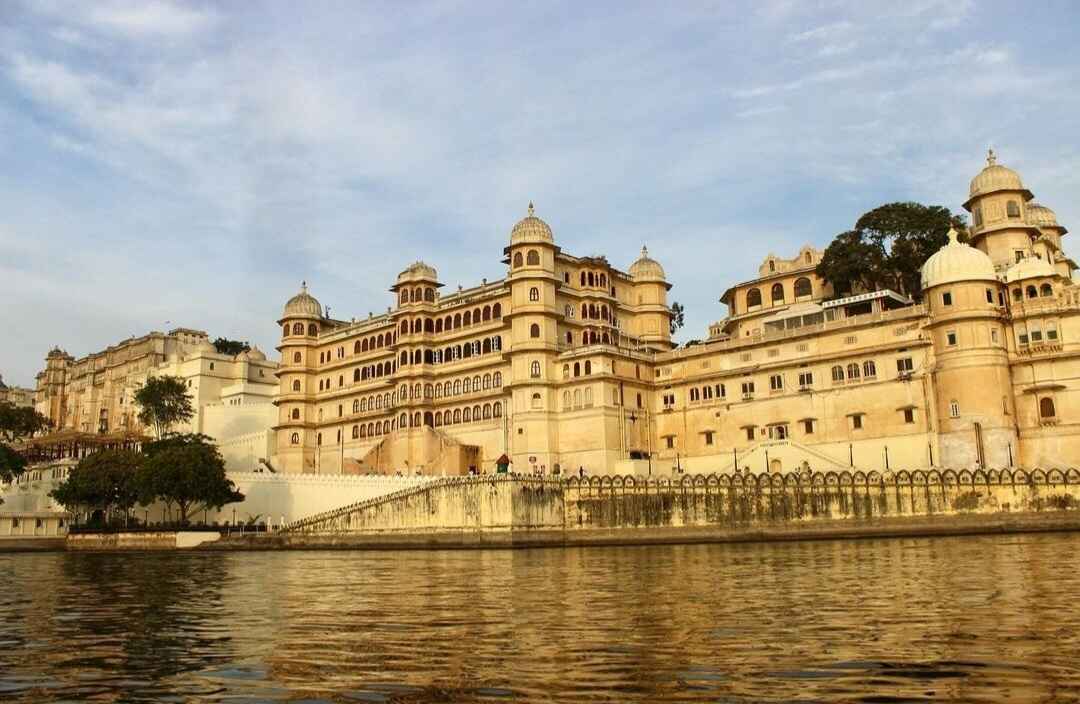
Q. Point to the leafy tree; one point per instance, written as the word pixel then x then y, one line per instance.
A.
pixel 230 347
pixel 163 402
pixel 188 471
pixel 106 480
pixel 678 316
pixel 17 422
pixel 887 248
pixel 12 464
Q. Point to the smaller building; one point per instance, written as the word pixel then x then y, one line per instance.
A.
pixel 16 395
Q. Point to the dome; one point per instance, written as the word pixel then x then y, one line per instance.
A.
pixel 956 262
pixel 418 271
pixel 252 355
pixel 1041 216
pixel 531 229
pixel 1029 268
pixel 995 177
pixel 646 267
pixel 303 303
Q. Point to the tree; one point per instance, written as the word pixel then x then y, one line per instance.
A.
pixel 230 347
pixel 107 480
pixel 887 248
pixel 21 421
pixel 188 471
pixel 12 464
pixel 678 317
pixel 163 402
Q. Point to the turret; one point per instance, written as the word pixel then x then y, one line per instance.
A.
pixel 300 324
pixel 997 202
pixel 652 321
pixel 965 303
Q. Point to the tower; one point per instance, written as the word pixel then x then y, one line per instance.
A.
pixel 416 289
pixel 971 375
pixel 300 324
pixel 652 319
pixel 997 201
pixel 534 339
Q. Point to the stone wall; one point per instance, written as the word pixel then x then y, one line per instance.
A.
pixel 791 502
pixel 150 540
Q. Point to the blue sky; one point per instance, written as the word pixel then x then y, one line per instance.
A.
pixel 193 162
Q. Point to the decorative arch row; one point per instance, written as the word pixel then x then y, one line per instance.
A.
pixel 450 353
pixel 417 294
pixel 531 258
pixel 803 288
pixel 474 316
pixel 298 329
pixel 457 387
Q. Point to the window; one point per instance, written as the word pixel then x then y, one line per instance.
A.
pixel 1012 209
pixel 869 369
pixel 806 380
pixel 750 432
pixel 536 402
pixel 1017 294
pixel 295 439
pixel 753 298
pixel 1035 331
pixel 1032 292
pixel 534 294
pixel 838 374
pixel 853 371
pixel 978 216
pixel 670 440
pixel 695 395
pixel 909 415
pixel 1051 330
pixel 778 293
pixel 534 330
pixel 994 335
pixel 296 414
pixel 748 389
pixel 808 426
pixel 721 392
pixel 950 338
pixel 533 258
pixel 778 432
pixel 803 289
pixel 296 385
pixel 1021 335
pixel 904 365
pixel 296 358
pixel 1046 408
pixel 990 296
pixel 518 261
pixel 946 298
pixel 1044 290
pixel 534 370
pixel 856 421
pixel 954 409
pixel 708 437
pixel 776 382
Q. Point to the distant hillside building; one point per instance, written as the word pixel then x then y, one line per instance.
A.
pixel 567 363
pixel 16 395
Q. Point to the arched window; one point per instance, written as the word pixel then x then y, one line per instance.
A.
pixel 853 371
pixel 312 330
pixel 296 358
pixel 534 369
pixel 1017 294
pixel 569 337
pixel 778 293
pixel 487 411
pixel 583 278
pixel 534 330
pixel 537 402
pixel 1032 292
pixel 496 409
pixel 534 294
pixel 1046 408
pixel 429 294
pixel 803 286
pixel 467 319
pixel 457 320
pixel 295 439
pixel 566 399
pixel 359 405
pixel 1012 209
pixel 753 298
pixel 577 398
pixel 356 375
pixel 466 385
pixel 577 368
pixel 695 395
pixel 285 330
pixel 296 385
pixel 487 381
pixel 487 313
pixel 588 366
pixel 298 329
pixel 496 311
pixel 588 396
pixel 566 371
pixel 591 279
pixel 838 374
pixel 466 415
pixel 363 431
pixel 869 369
pixel 496 379
pixel 517 260
pixel 1046 290
pixel 296 414
pixel 496 343
pixel 457 415
pixel 533 258
pixel 954 408
pixel 355 432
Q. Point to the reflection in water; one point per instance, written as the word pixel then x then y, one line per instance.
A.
pixel 961 619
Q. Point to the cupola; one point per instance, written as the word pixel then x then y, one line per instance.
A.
pixel 955 262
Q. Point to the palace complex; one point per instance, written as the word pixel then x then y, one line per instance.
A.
pixel 567 362
pixel 15 395
pixel 90 400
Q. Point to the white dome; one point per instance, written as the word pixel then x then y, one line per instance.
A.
pixel 995 177
pixel 1041 216
pixel 956 262
pixel 531 229
pixel 418 271
pixel 303 303
pixel 646 267
pixel 1029 268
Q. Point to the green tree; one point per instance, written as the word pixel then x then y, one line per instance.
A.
pixel 107 480
pixel 17 422
pixel 678 317
pixel 12 464
pixel 887 248
pixel 186 471
pixel 230 347
pixel 163 402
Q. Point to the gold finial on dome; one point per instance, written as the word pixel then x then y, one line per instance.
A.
pixel 644 251
pixel 532 210
pixel 954 236
pixel 303 285
pixel 991 157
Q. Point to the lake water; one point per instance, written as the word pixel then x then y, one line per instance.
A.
pixel 947 619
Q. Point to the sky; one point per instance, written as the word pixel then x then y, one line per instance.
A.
pixel 173 164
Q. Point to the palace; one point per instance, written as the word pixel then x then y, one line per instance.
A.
pixel 15 395
pixel 567 363
pixel 91 400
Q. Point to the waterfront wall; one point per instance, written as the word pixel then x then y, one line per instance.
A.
pixel 157 540
pixel 553 511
